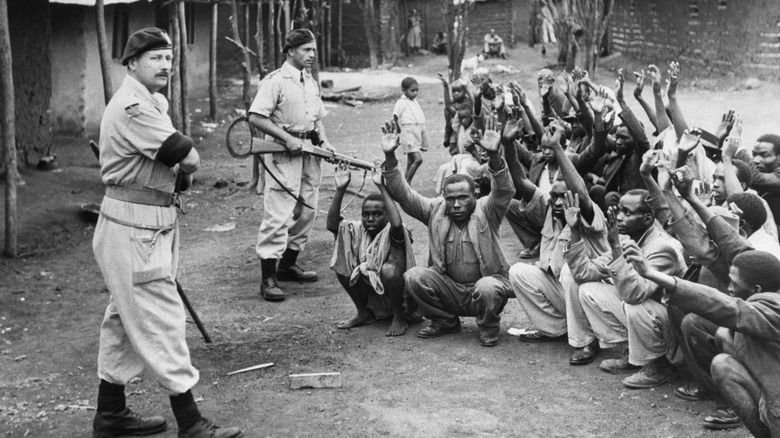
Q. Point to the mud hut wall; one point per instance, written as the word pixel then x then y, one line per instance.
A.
pixel 77 102
pixel 714 35
pixel 30 31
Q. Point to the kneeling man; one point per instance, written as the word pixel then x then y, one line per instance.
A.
pixel 467 275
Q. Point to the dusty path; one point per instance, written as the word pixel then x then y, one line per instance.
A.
pixel 51 303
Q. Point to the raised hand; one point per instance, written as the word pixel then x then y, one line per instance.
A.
pixel 545 85
pixel 377 178
pixel 633 254
pixel 734 140
pixel 640 83
pixel 390 139
pixel 442 78
pixel 597 100
pixel 655 76
pixel 514 123
pixel 568 83
pixel 519 94
pixel 674 73
pixel 613 237
pixel 683 180
pixel 621 80
pixel 689 140
pixel 491 138
pixel 343 176
pixel 650 160
pixel 571 209
pixel 725 125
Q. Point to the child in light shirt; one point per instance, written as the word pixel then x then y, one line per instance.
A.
pixel 410 118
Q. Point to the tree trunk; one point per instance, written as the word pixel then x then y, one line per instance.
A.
pixel 246 64
pixel 388 28
pixel 183 69
pixel 105 56
pixel 174 84
pixel 369 23
pixel 9 130
pixel 213 62
pixel 339 47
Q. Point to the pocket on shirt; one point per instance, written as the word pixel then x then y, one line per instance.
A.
pixel 152 255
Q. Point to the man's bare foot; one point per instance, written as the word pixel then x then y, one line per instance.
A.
pixel 398 326
pixel 363 317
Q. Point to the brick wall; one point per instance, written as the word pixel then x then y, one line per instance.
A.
pixel 742 36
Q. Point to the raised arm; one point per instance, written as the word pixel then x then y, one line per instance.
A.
pixel 342 180
pixel 690 139
pixel 655 199
pixel 524 188
pixel 662 119
pixel 414 204
pixel 678 120
pixel 393 215
pixel 573 179
pixel 640 86
pixel 683 180
pixel 522 100
pixel 730 148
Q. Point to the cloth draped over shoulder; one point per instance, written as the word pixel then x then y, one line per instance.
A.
pixel 356 254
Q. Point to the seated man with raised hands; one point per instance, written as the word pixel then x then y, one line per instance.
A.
pixel 745 371
pixel 624 309
pixel 370 257
pixel 467 275
pixel 546 291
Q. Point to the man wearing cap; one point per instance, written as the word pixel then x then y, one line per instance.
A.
pixel 288 109
pixel 144 160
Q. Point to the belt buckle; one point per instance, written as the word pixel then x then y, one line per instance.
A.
pixel 302 135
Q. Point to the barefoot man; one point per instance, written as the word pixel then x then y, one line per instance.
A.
pixel 371 256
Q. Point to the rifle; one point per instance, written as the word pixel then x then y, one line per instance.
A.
pixel 244 144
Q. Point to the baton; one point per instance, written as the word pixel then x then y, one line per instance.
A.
pixel 194 315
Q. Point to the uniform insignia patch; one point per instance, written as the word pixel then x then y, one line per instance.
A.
pixel 133 110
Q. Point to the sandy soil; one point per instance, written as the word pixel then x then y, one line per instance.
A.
pixel 52 300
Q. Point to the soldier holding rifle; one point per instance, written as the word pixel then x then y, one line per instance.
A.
pixel 288 109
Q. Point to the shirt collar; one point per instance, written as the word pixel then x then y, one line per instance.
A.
pixel 138 89
pixel 291 72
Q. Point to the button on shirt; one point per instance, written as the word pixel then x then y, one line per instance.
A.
pixel 290 98
pixel 460 256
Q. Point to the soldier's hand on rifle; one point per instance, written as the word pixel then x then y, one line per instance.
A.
pixel 328 147
pixel 390 139
pixel 294 145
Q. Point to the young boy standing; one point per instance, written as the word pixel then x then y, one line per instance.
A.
pixel 410 118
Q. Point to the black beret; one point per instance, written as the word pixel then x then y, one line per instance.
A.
pixel 144 40
pixel 297 37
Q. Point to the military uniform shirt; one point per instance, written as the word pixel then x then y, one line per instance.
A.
pixel 287 101
pixel 134 127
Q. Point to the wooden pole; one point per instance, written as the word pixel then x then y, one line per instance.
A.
pixel 272 52
pixel 259 42
pixel 105 57
pixel 213 62
pixel 245 66
pixel 174 86
pixel 339 50
pixel 280 37
pixel 9 132
pixel 183 69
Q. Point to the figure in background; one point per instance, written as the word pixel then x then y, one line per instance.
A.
pixel 411 120
pixel 414 36
pixel 494 45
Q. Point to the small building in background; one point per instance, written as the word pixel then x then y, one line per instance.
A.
pixel 742 36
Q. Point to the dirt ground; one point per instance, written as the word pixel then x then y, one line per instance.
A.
pixel 52 301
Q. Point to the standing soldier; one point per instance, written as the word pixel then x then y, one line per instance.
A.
pixel 288 109
pixel 136 245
